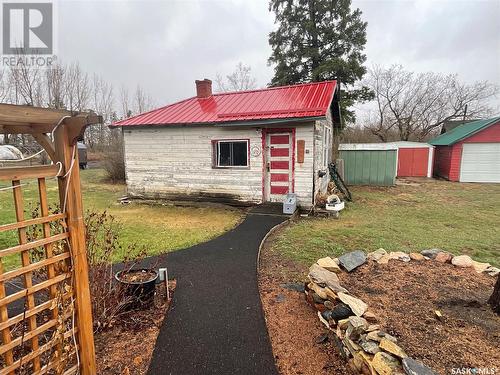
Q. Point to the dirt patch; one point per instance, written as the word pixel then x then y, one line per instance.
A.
pixel 127 349
pixel 293 325
pixel 405 297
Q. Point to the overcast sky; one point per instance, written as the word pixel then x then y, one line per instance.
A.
pixel 165 45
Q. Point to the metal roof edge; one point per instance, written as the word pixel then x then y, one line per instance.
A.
pixel 243 123
pixel 489 122
pixel 367 147
pixel 268 121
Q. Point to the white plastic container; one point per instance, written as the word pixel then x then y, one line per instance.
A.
pixel 290 204
pixel 335 206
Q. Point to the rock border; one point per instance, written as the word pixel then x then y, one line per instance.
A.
pixel 367 349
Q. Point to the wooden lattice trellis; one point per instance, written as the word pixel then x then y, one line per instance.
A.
pixel 45 310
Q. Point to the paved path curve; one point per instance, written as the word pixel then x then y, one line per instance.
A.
pixel 216 323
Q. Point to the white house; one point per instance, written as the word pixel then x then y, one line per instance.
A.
pixel 240 147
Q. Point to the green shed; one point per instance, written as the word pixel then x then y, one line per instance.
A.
pixel 369 163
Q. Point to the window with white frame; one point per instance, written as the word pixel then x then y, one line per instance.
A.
pixel 231 153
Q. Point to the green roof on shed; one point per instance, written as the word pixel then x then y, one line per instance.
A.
pixel 461 132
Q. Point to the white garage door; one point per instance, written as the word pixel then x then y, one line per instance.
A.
pixel 480 162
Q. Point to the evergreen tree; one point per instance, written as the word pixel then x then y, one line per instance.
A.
pixel 319 40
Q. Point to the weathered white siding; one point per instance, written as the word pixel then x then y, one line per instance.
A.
pixel 175 161
pixel 171 162
pixel 323 152
pixel 304 171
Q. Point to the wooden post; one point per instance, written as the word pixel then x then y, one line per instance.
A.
pixel 70 196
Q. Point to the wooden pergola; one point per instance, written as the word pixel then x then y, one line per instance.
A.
pixel 67 311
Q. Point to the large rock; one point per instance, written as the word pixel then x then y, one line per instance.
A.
pixel 326 278
pixel 374 336
pixel 373 327
pixel 329 264
pixel 369 346
pixel 392 348
pixel 385 364
pixel 399 255
pixel 351 345
pixel 329 305
pixel 382 335
pixel 317 299
pixel 480 267
pixel 443 257
pixel 417 256
pixel 327 315
pixel 384 259
pixel 413 367
pixel 377 254
pixel 370 317
pixel 341 311
pixel 357 306
pixel 352 260
pixel 356 327
pixel 318 290
pixel 431 253
pixel 341 347
pixel 323 320
pixel 462 261
pixel 492 271
pixel 367 368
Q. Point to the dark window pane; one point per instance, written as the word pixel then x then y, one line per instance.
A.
pixel 240 154
pixel 224 154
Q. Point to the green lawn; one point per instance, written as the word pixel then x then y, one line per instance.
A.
pixel 457 217
pixel 159 228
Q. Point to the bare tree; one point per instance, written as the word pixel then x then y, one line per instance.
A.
pixel 77 88
pixel 142 101
pixel 55 77
pixel 82 90
pixel 126 110
pixel 26 88
pixel 239 80
pixel 69 87
pixel 415 105
pixel 102 102
pixel 26 82
pixel 5 86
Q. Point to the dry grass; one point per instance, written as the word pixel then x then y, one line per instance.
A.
pixel 157 227
pixel 457 217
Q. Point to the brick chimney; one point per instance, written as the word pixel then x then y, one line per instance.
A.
pixel 203 88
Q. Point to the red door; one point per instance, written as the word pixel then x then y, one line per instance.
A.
pixel 278 179
pixel 413 162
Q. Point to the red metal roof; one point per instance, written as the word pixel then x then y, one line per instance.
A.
pixel 296 101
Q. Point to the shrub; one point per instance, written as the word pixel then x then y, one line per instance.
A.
pixel 109 301
pixel 114 160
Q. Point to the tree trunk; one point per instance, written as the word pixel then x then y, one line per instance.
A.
pixel 494 300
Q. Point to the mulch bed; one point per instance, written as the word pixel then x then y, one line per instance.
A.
pixel 126 348
pixel 405 296
pixel 292 324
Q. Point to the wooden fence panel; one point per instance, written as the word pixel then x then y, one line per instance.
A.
pixel 45 320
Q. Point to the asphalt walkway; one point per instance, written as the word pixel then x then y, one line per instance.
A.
pixel 216 324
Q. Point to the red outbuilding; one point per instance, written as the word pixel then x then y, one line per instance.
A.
pixel 470 152
pixel 414 159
